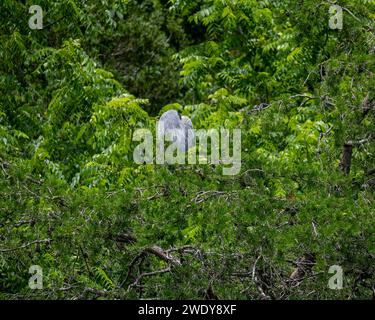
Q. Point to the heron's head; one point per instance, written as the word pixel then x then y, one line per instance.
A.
pixel 186 122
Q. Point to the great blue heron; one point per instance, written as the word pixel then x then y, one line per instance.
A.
pixel 180 129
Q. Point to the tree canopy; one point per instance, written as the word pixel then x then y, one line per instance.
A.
pixel 74 202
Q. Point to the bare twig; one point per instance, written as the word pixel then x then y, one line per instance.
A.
pixel 254 268
pixel 159 252
pixel 204 195
pixel 131 266
pixel 252 170
pixel 304 267
pixel 147 274
pixel 91 290
pixel 26 245
pixel 313 223
pixel 156 251
pixel 322 135
pixel 34 180
pixel 363 141
pixel 23 222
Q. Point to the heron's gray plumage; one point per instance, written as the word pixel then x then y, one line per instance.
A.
pixel 181 129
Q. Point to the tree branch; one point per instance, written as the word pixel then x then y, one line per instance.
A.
pixel 26 245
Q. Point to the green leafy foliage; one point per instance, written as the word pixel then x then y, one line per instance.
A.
pixel 73 201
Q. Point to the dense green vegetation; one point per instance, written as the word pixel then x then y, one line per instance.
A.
pixel 73 201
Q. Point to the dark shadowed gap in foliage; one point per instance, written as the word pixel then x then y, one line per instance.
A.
pixel 141 54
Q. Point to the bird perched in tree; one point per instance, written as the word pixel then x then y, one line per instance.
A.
pixel 180 129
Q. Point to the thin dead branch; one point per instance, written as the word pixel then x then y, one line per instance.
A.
pixel 26 245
